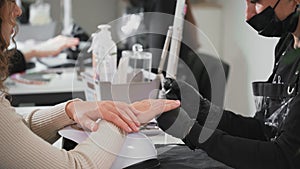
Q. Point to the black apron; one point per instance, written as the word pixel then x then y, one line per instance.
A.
pixel 273 97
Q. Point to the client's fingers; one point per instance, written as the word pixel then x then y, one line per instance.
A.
pixel 122 110
pixel 149 109
pixel 129 122
pixel 126 110
pixel 118 121
pixel 170 105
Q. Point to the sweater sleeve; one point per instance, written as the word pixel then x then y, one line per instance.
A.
pixel 21 148
pixel 46 122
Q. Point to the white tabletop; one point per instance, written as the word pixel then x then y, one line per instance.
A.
pixel 64 81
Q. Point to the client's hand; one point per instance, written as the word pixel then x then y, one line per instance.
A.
pixel 51 47
pixel 87 113
pixel 146 110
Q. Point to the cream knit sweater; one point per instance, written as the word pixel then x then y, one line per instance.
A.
pixel 26 143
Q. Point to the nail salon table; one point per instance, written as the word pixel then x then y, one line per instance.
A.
pixel 58 85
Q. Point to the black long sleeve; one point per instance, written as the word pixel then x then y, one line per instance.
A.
pixel 17 63
pixel 231 123
pixel 211 116
pixel 238 152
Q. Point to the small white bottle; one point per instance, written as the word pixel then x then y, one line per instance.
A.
pixel 104 54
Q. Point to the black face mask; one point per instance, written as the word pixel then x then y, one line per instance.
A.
pixel 267 24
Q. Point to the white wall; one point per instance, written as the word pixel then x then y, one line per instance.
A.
pixel 91 13
pixel 87 14
pixel 249 55
pixel 209 29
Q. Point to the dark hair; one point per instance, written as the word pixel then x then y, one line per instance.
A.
pixel 4 53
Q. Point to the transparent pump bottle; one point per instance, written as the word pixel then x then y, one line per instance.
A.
pixel 104 54
pixel 138 61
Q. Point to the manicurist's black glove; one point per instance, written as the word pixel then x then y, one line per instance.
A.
pixel 192 101
pixel 187 121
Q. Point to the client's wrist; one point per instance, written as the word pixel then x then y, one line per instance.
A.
pixel 70 109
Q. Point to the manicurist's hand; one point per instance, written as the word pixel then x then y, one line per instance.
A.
pixel 146 110
pixel 87 113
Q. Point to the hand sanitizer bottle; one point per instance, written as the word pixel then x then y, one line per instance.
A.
pixel 104 54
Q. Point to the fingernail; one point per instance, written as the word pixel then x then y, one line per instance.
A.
pixel 92 126
pixel 177 101
pixel 129 129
